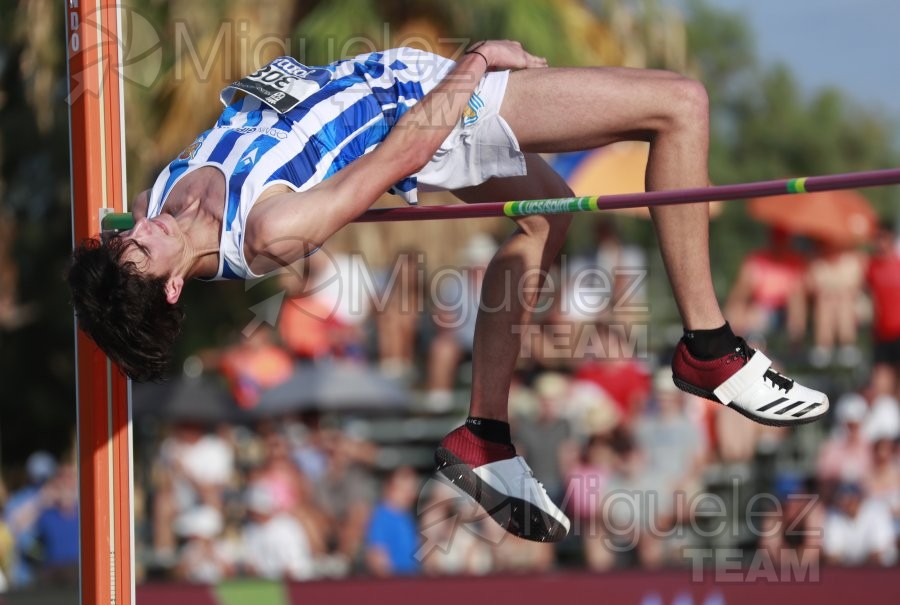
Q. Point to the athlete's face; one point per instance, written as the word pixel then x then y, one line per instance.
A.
pixel 158 245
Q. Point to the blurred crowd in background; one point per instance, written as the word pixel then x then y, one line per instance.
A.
pixel 300 487
pixel 593 408
pixel 39 528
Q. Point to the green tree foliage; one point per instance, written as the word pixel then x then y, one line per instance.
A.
pixel 765 127
pixel 333 29
pixel 36 360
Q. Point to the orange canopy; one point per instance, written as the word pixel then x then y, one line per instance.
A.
pixel 614 169
pixel 843 218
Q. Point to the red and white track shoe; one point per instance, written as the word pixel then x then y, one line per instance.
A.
pixel 502 483
pixel 745 381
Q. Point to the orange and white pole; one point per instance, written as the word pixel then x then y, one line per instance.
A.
pixel 96 133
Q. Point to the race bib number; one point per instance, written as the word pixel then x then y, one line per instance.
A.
pixel 283 84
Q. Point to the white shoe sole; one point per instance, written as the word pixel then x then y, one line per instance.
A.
pixel 517 516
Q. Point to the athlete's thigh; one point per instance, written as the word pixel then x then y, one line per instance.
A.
pixel 569 109
pixel 540 182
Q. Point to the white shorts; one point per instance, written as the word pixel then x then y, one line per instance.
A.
pixel 480 146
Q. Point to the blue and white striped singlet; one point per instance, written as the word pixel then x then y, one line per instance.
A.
pixel 331 116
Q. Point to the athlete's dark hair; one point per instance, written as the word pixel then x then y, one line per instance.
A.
pixel 125 312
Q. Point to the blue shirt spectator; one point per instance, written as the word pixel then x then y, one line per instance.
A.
pixel 394 532
pixel 21 514
pixel 57 527
pixel 57 530
pixel 392 540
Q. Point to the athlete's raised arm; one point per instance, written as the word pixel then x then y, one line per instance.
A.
pixel 284 227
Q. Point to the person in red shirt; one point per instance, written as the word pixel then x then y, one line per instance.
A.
pixel 769 284
pixel 253 365
pixel 883 279
pixel 626 380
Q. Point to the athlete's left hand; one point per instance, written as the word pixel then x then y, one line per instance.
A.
pixel 507 54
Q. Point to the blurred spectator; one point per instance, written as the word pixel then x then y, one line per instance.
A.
pixel 308 443
pixel 672 443
pixel 279 476
pixel 205 557
pixel 859 530
pixel 324 312
pixel 883 280
pixel 273 545
pixel 587 486
pixel 882 419
pixel 340 285
pixel 883 481
pixel 57 528
pixel 625 379
pixel 769 290
pixel 253 365
pixel 673 448
pixel 545 437
pixel 625 509
pixel 193 468
pixel 456 307
pixel 306 320
pixel 845 456
pixel 289 491
pixel 590 410
pixel 588 479
pixel 453 524
pixel 633 484
pixel 835 279
pixel 392 539
pixel 346 493
pixel 398 318
pixel 606 287
pixel 736 436
pixel 796 524
pixel 21 514
pixel 615 268
pixel 623 262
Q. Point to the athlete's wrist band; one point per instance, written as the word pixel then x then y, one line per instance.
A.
pixel 487 64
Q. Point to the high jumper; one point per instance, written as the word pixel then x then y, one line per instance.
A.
pixel 299 152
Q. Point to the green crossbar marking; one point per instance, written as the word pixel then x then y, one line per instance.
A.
pixel 550 206
pixel 117 220
pixel 797 185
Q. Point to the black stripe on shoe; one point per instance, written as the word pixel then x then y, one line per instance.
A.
pixel 772 405
pixel 806 409
pixel 788 408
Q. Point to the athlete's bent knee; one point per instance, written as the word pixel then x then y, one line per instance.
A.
pixel 689 102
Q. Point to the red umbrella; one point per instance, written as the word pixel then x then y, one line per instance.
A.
pixel 841 217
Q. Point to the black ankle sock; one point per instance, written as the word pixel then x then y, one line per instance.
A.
pixel 495 431
pixel 710 344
